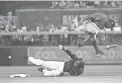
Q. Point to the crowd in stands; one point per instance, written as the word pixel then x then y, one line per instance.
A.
pixel 42 40
pixel 63 5
pixel 49 27
pixel 86 4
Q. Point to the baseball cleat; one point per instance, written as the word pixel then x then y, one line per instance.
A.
pixel 111 46
pixel 100 53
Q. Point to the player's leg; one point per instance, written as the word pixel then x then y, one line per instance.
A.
pixel 97 49
pixel 46 64
pixel 36 61
pixel 84 28
pixel 52 73
pixel 94 30
pixel 90 29
pixel 108 43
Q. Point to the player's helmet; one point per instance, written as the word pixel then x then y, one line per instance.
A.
pixel 78 68
pixel 97 19
pixel 110 23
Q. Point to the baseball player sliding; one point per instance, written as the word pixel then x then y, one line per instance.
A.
pixel 74 67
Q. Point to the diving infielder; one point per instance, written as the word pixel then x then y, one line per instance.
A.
pixel 74 67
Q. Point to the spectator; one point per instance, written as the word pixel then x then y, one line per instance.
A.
pixel 96 4
pixel 37 28
pixel 7 28
pixel 23 29
pixel 14 28
pixel 113 4
pixel 117 27
pixel 64 29
pixel 57 29
pixel 41 27
pixel 75 22
pixel 2 27
pixel 76 5
pixel 82 4
pixel 119 3
pixel 86 4
pixel 54 4
pixel 62 4
pixel 107 4
pixel 70 4
pixel 52 28
pixel 89 4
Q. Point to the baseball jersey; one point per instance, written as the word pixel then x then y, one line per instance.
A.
pixel 75 66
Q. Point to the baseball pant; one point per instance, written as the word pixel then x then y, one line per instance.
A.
pixel 51 68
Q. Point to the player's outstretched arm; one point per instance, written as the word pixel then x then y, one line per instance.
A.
pixel 72 55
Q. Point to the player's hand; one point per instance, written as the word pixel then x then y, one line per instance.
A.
pixel 25 57
pixel 80 44
pixel 61 47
